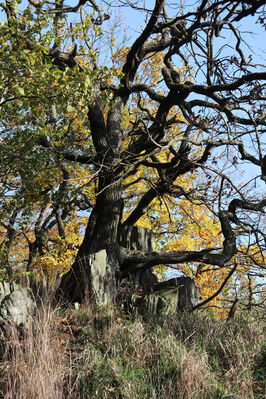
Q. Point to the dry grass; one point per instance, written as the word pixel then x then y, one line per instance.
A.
pixel 36 366
pixel 189 357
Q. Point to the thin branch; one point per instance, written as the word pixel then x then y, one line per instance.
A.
pixel 199 305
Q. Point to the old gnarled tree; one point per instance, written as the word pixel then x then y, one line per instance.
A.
pixel 183 101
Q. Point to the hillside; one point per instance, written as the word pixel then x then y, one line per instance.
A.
pixel 75 354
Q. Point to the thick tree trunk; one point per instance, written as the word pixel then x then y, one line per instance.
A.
pixel 102 229
pixel 101 233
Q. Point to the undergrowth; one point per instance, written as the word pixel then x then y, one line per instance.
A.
pixel 73 356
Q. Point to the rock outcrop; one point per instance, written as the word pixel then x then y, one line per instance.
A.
pixel 16 304
pixel 171 296
pixel 176 294
pixel 137 238
pixel 102 280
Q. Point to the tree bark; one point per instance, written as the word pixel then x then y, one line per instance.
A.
pixel 101 233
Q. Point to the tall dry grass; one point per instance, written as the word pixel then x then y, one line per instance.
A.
pixel 187 357
pixel 35 365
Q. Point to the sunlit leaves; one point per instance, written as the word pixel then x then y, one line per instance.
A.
pixel 55 158
pixel 60 255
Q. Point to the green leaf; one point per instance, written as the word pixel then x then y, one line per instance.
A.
pixel 88 81
pixel 70 108
pixel 45 51
pixel 21 91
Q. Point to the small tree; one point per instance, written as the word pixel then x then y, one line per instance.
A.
pixel 160 127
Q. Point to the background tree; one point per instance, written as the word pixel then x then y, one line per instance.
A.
pixel 152 134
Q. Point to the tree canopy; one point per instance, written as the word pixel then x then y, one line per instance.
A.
pixel 100 132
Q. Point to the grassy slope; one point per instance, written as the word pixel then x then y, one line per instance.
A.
pixel 72 356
